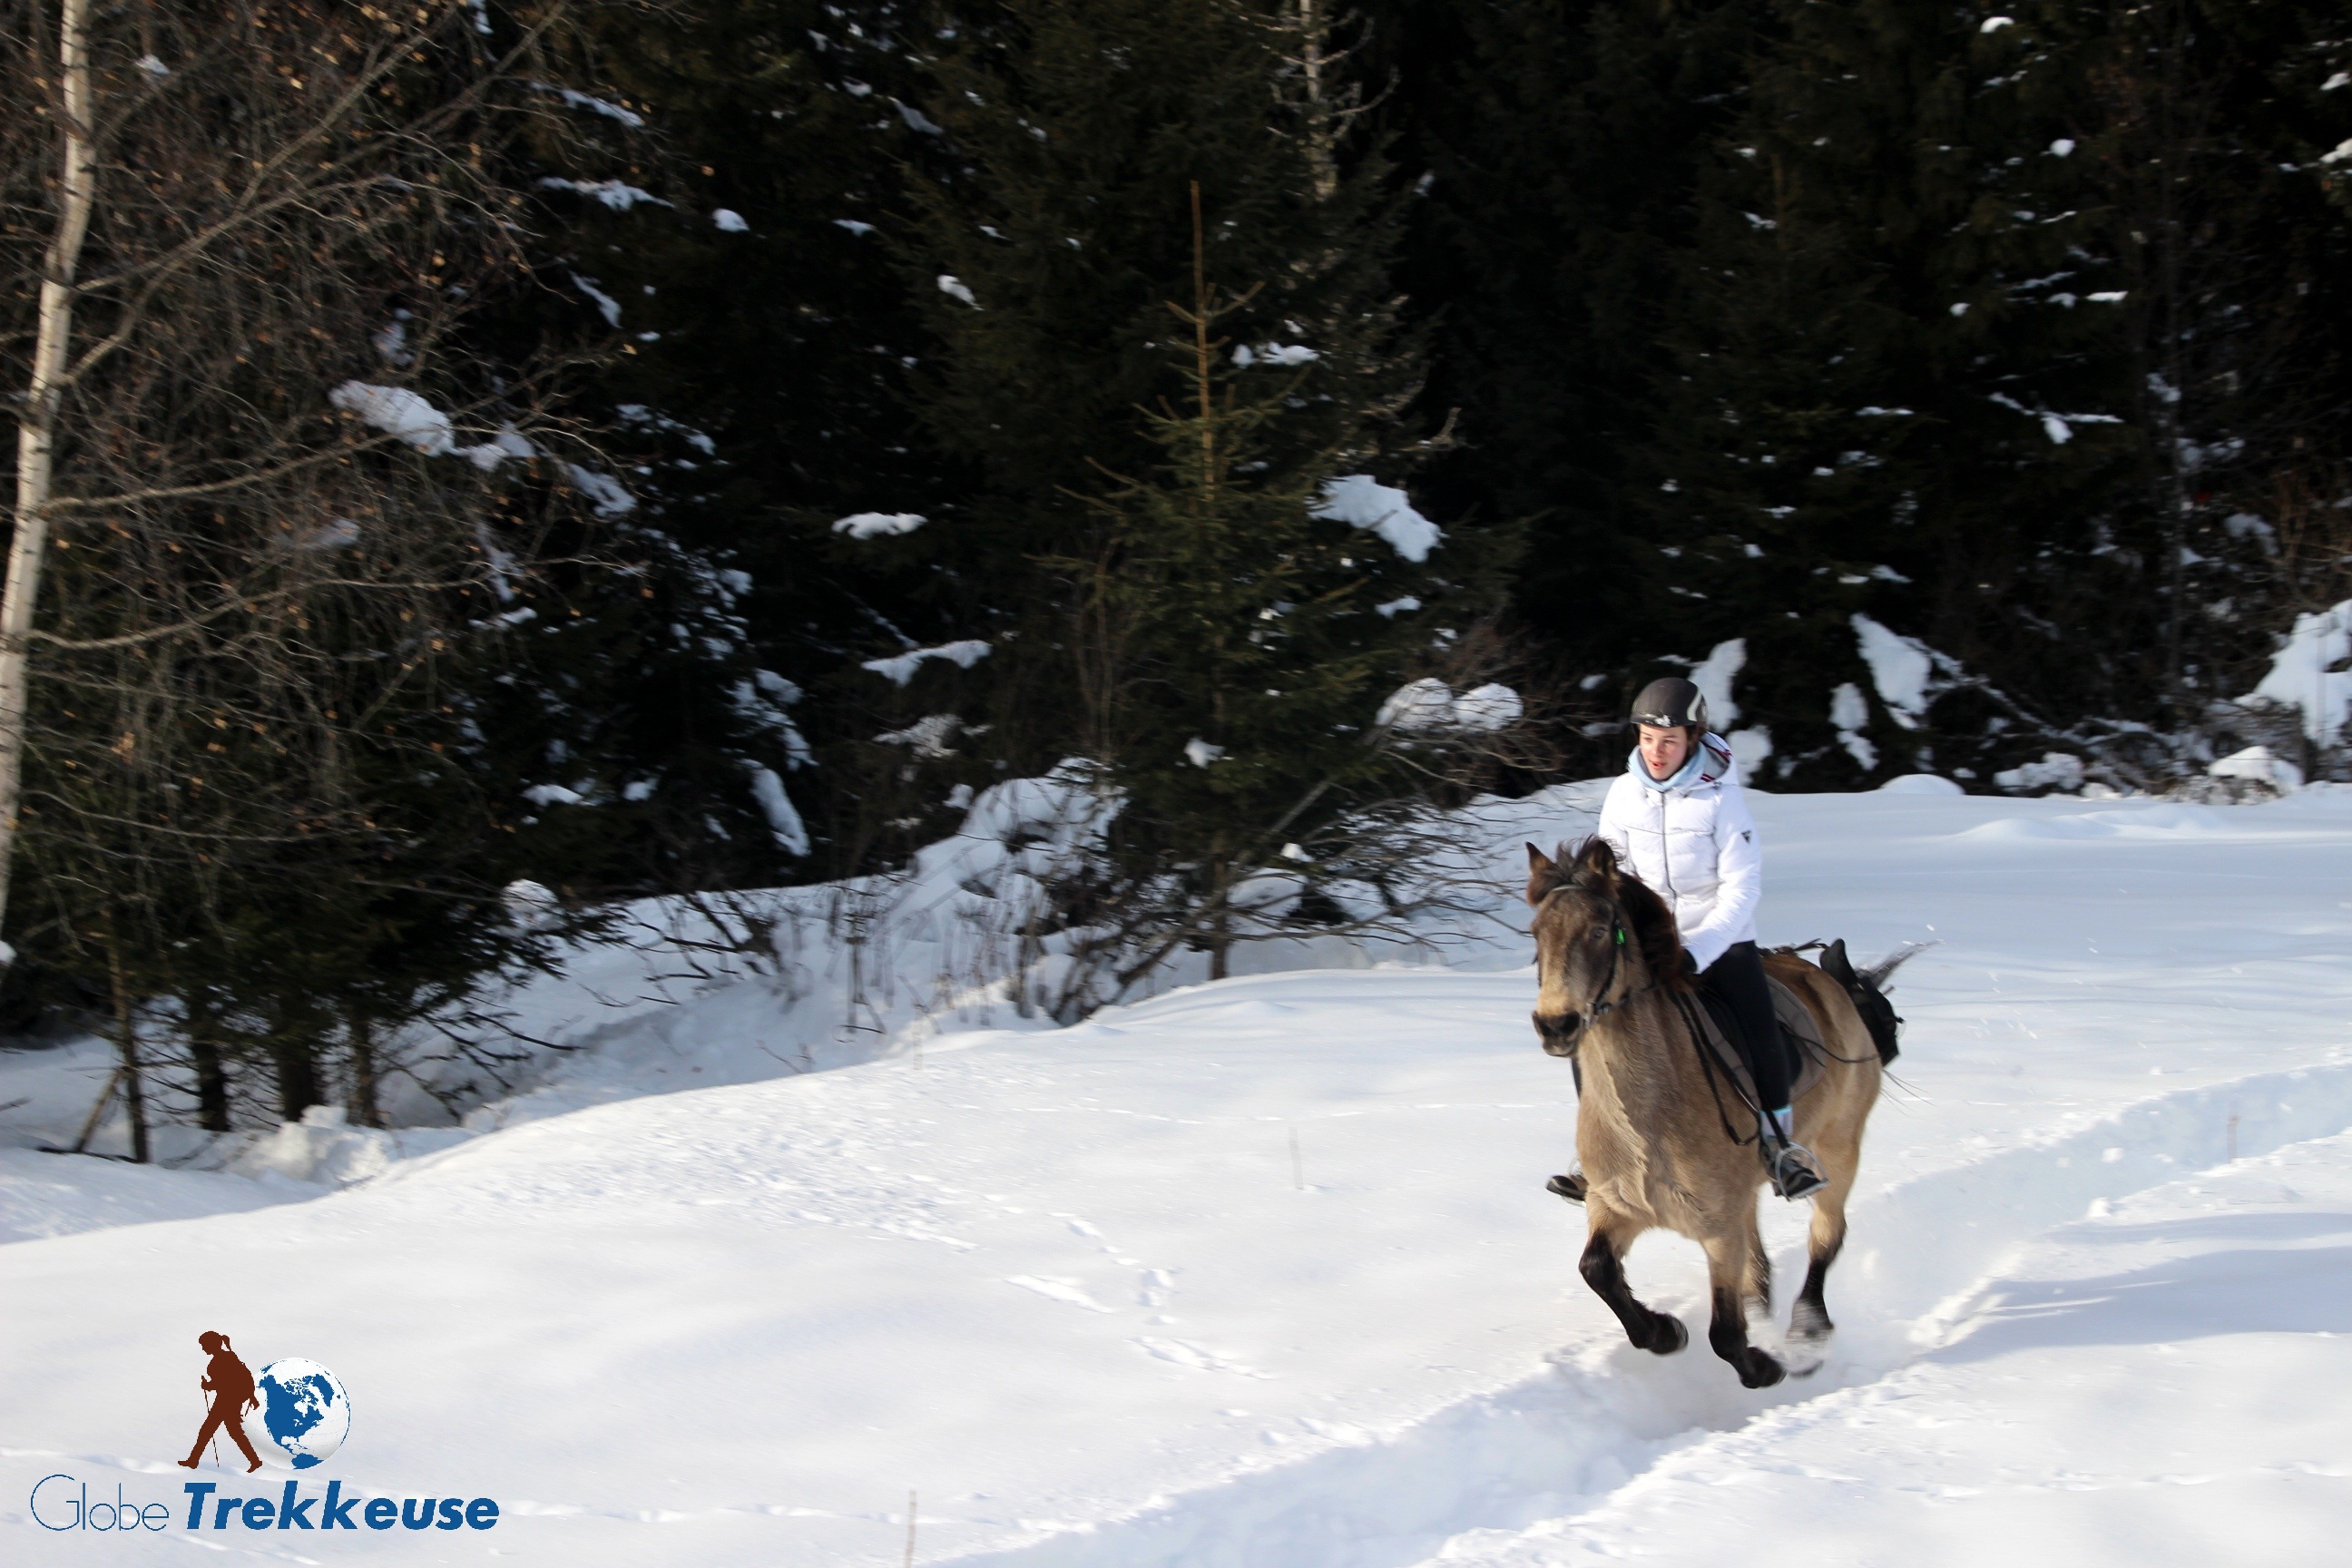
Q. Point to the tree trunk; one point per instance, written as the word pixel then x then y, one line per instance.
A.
pixel 211 1084
pixel 298 1077
pixel 126 1040
pixel 36 425
pixel 362 1107
pixel 212 1067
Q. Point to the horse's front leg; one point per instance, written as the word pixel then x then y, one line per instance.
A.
pixel 1733 1263
pixel 1603 1267
pixel 1809 1324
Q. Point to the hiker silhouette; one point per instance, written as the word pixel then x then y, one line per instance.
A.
pixel 230 1383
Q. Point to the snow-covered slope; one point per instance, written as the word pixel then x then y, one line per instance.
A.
pixel 1261 1272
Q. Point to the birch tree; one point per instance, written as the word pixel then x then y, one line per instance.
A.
pixel 246 247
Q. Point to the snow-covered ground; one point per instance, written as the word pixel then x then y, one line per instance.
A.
pixel 1262 1272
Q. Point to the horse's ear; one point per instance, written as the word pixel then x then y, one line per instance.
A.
pixel 1597 856
pixel 1543 874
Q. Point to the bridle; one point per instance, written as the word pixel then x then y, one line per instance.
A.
pixel 1602 1003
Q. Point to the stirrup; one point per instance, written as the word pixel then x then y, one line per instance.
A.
pixel 1569 1184
pixel 1794 1173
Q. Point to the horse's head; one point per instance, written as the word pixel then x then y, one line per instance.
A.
pixel 1601 935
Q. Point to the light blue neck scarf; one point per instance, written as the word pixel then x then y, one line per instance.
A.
pixel 1681 778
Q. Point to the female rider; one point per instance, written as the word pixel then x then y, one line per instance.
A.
pixel 1677 815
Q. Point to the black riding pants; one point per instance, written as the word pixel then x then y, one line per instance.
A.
pixel 1738 978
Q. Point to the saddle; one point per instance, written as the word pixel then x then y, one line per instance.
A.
pixel 1799 1035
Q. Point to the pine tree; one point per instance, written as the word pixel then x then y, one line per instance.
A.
pixel 1049 260
pixel 1561 146
pixel 1233 638
pixel 758 399
pixel 1169 346
pixel 1900 388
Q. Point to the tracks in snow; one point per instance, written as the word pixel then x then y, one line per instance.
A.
pixel 1561 1442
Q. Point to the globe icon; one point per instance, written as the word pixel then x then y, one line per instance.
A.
pixel 304 1410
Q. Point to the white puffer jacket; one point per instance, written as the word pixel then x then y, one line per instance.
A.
pixel 1694 845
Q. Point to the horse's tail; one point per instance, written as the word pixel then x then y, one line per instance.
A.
pixel 1867 987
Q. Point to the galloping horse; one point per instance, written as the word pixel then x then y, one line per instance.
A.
pixel 1654 1125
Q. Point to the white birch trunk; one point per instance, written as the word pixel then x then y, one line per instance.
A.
pixel 37 427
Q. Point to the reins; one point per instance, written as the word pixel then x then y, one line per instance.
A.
pixel 1603 1003
pixel 1708 1064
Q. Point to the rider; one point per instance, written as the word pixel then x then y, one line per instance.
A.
pixel 1677 816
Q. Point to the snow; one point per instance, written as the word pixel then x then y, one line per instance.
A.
pixel 2303 673
pixel 1284 354
pixel 1899 668
pixel 573 100
pixel 1430 706
pixel 1849 715
pixel 619 194
pixel 729 221
pixel 606 306
pixel 1362 501
pixel 508 442
pixel 927 737
pixel 880 524
pixel 1849 710
pixel 955 289
pixel 1261 1271
pixel 899 668
pixel 783 817
pixel 1493 706
pixel 1750 749
pixel 412 418
pixel 399 413
pixel 1920 784
pixel 1714 675
pixel 2261 764
pixel 1200 753
pixel 607 498
pixel 2057 770
pixel 1401 605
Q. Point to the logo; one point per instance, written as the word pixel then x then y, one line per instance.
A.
pixel 301 1414
pixel 305 1414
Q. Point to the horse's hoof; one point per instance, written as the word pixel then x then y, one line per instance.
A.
pixel 1810 1323
pixel 1758 1370
pixel 1667 1335
pixel 1802 1358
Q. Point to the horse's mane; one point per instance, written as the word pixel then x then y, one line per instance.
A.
pixel 1594 864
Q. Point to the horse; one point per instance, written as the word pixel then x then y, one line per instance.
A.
pixel 1661 1135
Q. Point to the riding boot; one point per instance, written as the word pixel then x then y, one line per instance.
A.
pixel 1795 1173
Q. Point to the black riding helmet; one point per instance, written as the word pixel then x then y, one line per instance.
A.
pixel 1670 702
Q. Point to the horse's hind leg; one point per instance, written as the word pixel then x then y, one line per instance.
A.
pixel 1737 1274
pixel 1603 1268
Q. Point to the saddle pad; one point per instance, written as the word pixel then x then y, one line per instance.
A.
pixel 1796 1025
